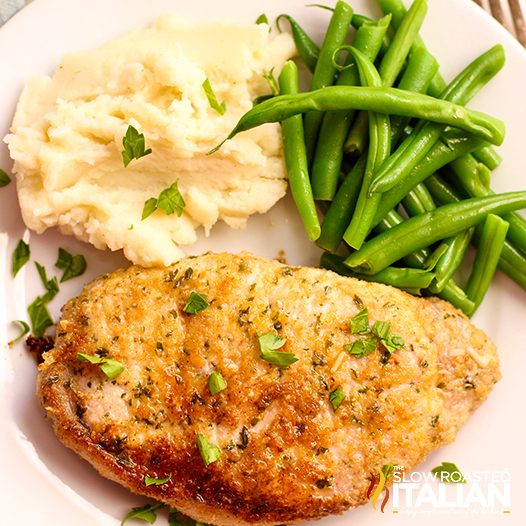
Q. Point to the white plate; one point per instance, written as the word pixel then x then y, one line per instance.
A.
pixel 42 482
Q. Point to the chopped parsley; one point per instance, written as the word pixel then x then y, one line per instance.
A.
pixel 262 19
pixel 24 330
pixel 51 285
pixel 362 347
pixel 170 200
pixel 72 265
pixel 216 383
pixel 39 317
pixel 393 343
pixel 176 518
pixel 210 453
pixel 134 146
pixel 390 341
pixel 336 398
pixel 4 178
pixel 151 481
pixel 145 513
pixel 381 333
pixel 359 324
pixel 268 343
pixel 449 473
pixel 381 329
pixel 38 313
pixel 196 303
pixel 111 368
pixel 212 100
pixel 20 256
pixel 173 518
pixel 150 206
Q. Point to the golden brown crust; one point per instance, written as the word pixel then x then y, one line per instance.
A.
pixel 286 456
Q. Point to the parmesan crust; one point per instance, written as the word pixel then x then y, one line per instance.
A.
pixel 286 455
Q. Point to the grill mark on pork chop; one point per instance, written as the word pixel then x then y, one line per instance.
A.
pixel 286 455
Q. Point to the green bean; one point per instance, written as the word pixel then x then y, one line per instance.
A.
pixel 425 135
pixel 335 125
pixel 438 252
pixel 325 68
pixel 457 297
pixel 512 260
pixel 382 100
pixel 397 52
pixel 475 75
pixel 390 220
pixel 409 279
pixel 296 157
pixel 369 37
pixel 420 259
pixel 418 201
pixel 341 209
pixel 420 69
pixel 391 64
pixel 487 257
pixel 307 48
pixel 440 191
pixel 379 149
pixel 261 98
pixel 513 263
pixel 484 173
pixel 417 258
pixel 397 10
pixel 488 156
pixel 441 154
pixel 423 230
pixel 470 177
pixel 359 20
pixel 357 139
pixel 449 263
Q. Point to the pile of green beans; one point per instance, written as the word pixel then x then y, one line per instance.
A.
pixel 388 153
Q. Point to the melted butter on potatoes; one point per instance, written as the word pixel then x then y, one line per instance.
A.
pixel 66 137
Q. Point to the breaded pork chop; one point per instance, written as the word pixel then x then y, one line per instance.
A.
pixel 285 454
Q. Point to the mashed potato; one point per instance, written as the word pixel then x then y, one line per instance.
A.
pixel 67 134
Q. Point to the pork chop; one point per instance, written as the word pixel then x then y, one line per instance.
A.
pixel 275 447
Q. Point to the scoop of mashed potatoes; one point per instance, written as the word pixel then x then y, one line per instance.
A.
pixel 67 133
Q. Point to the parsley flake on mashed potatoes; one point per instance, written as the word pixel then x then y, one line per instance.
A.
pixel 67 133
